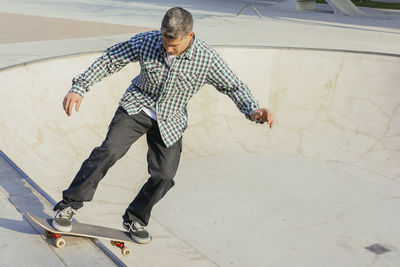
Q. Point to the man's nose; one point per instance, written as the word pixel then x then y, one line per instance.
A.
pixel 170 49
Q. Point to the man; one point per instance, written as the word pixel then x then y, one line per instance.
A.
pixel 174 66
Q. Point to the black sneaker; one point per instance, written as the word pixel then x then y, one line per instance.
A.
pixel 138 233
pixel 63 219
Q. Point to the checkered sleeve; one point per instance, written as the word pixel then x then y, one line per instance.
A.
pixel 113 60
pixel 225 81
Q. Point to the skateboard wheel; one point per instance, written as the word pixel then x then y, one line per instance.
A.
pixel 125 251
pixel 60 242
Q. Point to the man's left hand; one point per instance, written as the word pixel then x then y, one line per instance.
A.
pixel 263 115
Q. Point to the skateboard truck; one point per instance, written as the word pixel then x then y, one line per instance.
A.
pixel 59 241
pixel 124 250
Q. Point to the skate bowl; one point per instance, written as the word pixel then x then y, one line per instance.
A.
pixel 317 189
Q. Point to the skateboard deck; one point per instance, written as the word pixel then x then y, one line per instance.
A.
pixel 117 237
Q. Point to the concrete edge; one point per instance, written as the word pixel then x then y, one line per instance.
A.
pixel 220 46
pixel 310 49
pixel 97 242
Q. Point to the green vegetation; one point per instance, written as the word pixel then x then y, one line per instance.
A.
pixel 373 4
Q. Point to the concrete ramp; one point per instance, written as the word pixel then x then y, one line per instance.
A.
pixel 345 7
pixel 316 190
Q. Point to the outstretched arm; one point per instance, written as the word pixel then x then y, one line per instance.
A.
pixel 226 82
pixel 113 60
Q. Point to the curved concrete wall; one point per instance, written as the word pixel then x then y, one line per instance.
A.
pixel 331 106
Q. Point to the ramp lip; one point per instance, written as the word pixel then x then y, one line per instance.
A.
pixel 219 46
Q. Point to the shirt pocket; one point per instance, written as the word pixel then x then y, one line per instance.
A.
pixel 186 82
pixel 151 72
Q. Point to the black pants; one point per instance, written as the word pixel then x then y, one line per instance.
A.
pixel 123 131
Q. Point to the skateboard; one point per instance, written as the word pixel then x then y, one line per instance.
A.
pixel 118 238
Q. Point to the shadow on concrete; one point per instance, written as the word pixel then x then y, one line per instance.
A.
pixel 20 194
pixel 16 226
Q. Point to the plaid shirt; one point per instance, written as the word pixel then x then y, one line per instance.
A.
pixel 165 89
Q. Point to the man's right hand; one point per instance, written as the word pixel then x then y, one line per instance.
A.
pixel 70 100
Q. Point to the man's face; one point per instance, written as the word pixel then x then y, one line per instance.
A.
pixel 177 46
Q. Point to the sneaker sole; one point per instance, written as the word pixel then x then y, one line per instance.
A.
pixel 60 227
pixel 138 239
pixel 141 240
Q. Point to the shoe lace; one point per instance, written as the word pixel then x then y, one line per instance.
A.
pixel 66 213
pixel 135 226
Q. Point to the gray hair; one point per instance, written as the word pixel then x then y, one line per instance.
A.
pixel 177 23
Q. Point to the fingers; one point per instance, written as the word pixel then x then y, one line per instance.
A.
pixel 270 120
pixel 78 103
pixel 70 100
pixel 66 104
pixel 70 106
pixel 264 115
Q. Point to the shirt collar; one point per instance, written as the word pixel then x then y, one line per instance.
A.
pixel 190 51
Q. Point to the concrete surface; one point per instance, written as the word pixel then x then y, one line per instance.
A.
pixel 215 22
pixel 329 167
pixel 21 244
pixel 16 28
pixel 316 190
